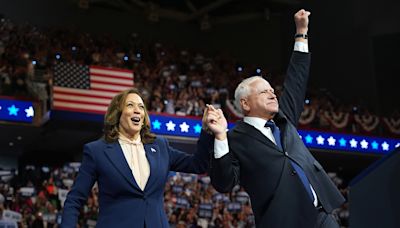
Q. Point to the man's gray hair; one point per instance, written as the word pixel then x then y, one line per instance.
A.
pixel 243 90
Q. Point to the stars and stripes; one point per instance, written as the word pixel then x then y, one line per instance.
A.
pixel 88 88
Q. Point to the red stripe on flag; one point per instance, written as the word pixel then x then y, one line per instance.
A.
pixel 109 83
pixel 111 90
pixel 112 76
pixel 83 95
pixel 105 104
pixel 111 69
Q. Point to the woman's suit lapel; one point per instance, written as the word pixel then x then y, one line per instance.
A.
pixel 153 156
pixel 114 153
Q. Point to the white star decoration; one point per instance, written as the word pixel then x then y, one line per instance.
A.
pixel 320 140
pixel 331 141
pixel 184 127
pixel 170 126
pixel 364 144
pixel 353 143
pixel 385 146
pixel 29 112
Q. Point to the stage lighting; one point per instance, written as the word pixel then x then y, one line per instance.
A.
pixel 126 58
pixel 258 71
pixel 307 101
pixel 58 56
pixel 73 48
pixel 34 62
pixel 239 69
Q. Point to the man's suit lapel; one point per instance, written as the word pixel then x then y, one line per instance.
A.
pixel 282 121
pixel 247 129
pixel 152 154
pixel 114 153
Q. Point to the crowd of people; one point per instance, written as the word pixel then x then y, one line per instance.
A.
pixel 35 199
pixel 174 81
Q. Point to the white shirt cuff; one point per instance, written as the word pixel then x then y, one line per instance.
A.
pixel 301 46
pixel 221 148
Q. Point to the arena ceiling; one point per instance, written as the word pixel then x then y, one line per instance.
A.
pixel 186 11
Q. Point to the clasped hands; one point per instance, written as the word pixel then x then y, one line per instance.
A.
pixel 215 122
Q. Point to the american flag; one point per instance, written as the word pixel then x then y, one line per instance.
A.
pixel 89 89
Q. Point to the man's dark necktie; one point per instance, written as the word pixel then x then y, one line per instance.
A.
pixel 277 135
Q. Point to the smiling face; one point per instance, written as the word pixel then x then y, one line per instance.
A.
pixel 132 116
pixel 262 101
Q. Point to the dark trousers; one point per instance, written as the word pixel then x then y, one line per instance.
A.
pixel 325 220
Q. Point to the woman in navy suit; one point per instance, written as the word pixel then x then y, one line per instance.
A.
pixel 130 166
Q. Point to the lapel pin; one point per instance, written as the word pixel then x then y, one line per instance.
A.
pixel 153 150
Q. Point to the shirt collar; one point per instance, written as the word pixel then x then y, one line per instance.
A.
pixel 123 139
pixel 256 122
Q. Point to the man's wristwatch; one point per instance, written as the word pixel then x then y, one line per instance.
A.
pixel 304 36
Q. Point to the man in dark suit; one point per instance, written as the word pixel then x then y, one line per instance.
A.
pixel 264 153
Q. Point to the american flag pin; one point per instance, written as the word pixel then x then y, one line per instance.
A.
pixel 153 150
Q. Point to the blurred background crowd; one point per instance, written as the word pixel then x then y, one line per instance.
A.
pixel 173 81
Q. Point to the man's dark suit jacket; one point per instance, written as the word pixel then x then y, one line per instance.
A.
pixel 277 194
pixel 122 204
